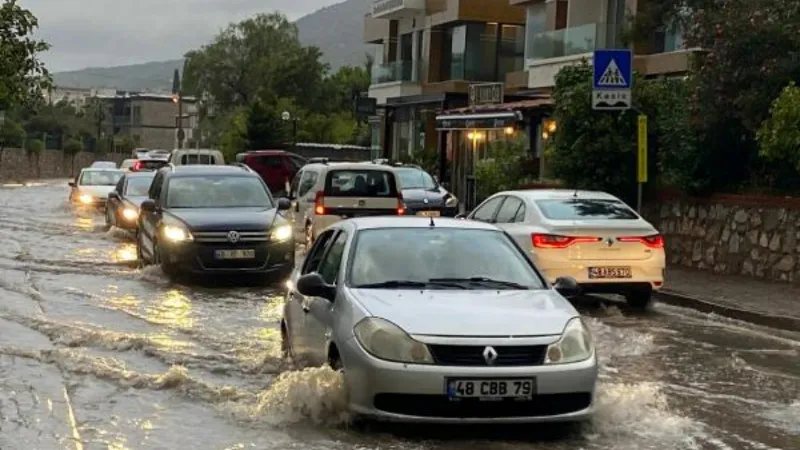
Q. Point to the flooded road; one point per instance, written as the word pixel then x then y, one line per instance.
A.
pixel 96 353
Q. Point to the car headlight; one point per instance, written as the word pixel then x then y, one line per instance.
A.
pixel 130 213
pixel 575 344
pixel 281 233
pixel 86 199
pixel 176 233
pixel 451 202
pixel 385 340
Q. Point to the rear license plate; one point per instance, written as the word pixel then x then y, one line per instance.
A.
pixel 429 213
pixel 609 272
pixel 234 254
pixel 518 388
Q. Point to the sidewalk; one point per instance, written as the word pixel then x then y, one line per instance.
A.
pixel 765 303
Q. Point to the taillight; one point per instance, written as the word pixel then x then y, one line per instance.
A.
pixel 556 241
pixel 653 241
pixel 137 166
pixel 319 205
pixel 401 207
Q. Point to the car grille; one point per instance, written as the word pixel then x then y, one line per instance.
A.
pixel 440 406
pixel 472 355
pixel 222 236
pixel 205 255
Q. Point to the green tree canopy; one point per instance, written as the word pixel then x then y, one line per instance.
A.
pixel 779 135
pixel 22 75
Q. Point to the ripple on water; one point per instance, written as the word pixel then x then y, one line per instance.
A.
pixel 786 417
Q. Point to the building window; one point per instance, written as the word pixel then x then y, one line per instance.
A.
pixel 483 51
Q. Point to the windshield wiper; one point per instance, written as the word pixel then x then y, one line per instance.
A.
pixel 396 284
pixel 482 280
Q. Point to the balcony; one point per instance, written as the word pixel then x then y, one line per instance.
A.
pixel 397 9
pixel 395 79
pixel 375 30
pixel 548 52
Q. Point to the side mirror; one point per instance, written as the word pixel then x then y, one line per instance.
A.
pixel 312 285
pixel 284 204
pixel 567 287
pixel 113 194
pixel 71 184
pixel 148 205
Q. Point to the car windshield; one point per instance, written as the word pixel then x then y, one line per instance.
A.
pixel 105 164
pixel 413 178
pixel 415 255
pixel 209 191
pixel 138 186
pixel 582 209
pixel 360 183
pixel 100 177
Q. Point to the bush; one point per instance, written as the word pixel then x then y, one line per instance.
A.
pixel 11 134
pixel 34 146
pixel 779 135
pixel 503 169
pixel 73 146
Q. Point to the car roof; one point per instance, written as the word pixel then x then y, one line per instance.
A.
pixel 349 166
pixel 381 222
pixel 203 169
pixel 557 194
pixel 101 169
pixel 149 174
pixel 196 150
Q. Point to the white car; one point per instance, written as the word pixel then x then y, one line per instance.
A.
pixel 324 193
pixel 592 237
pixel 92 186
pixel 442 321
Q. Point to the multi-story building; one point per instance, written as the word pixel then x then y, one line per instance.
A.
pixel 75 96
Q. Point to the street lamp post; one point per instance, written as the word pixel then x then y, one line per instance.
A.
pixel 286 116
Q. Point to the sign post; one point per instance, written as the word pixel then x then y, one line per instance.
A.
pixel 641 160
pixel 612 80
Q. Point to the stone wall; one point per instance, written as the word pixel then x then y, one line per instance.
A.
pixel 19 165
pixel 743 235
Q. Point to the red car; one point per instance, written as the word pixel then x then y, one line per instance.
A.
pixel 276 167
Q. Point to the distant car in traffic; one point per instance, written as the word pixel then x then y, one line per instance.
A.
pixel 127 165
pixel 122 207
pixel 148 164
pixel 276 167
pixel 422 195
pixel 324 193
pixel 186 157
pixel 159 154
pixel 446 322
pixel 103 165
pixel 593 237
pixel 214 220
pixel 92 185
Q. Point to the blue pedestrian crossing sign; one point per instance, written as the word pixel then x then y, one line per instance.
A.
pixel 612 80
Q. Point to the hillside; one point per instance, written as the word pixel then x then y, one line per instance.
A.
pixel 336 30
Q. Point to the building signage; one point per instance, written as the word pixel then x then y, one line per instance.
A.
pixel 494 123
pixel 485 93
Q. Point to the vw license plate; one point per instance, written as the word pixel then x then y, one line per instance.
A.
pixel 429 213
pixel 234 254
pixel 609 272
pixel 518 388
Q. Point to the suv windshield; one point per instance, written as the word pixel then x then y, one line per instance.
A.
pixel 209 191
pixel 414 178
pixel 138 186
pixel 581 209
pixel 360 183
pixel 197 158
pixel 100 178
pixel 414 255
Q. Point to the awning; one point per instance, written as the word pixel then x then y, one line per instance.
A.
pixel 485 121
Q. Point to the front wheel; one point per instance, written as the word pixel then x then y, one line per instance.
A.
pixel 639 298
pixel 169 269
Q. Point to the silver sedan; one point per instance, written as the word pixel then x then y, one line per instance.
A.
pixel 443 321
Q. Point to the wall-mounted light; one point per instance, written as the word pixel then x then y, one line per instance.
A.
pixel 509 130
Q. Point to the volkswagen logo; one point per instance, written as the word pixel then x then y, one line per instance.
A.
pixel 490 355
pixel 425 200
pixel 233 237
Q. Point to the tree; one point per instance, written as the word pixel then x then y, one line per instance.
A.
pixel 779 135
pixel 264 127
pixel 22 75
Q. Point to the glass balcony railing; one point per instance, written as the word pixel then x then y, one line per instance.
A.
pixel 568 41
pixel 393 71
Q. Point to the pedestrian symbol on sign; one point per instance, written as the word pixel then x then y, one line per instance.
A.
pixel 612 77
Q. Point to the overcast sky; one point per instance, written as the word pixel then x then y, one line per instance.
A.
pixel 98 33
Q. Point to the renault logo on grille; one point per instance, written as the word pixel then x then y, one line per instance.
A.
pixel 233 237
pixel 609 242
pixel 490 355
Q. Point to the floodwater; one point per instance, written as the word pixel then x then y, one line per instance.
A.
pixel 96 353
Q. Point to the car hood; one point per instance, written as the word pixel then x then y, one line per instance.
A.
pixel 136 200
pixel 417 196
pixel 470 313
pixel 223 219
pixel 96 191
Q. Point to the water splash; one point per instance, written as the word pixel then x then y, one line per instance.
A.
pixel 786 417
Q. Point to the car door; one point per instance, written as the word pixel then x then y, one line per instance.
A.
pixel 149 220
pixel 295 310
pixel 273 172
pixel 115 200
pixel 319 319
pixel 486 211
pixel 511 219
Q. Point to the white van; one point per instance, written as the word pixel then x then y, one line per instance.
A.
pixel 194 156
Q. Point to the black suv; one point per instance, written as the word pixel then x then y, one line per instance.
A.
pixel 214 219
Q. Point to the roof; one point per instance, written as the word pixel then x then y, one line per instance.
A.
pixel 203 169
pixel 101 169
pixel 195 150
pixel 504 107
pixel 352 166
pixel 543 194
pixel 146 174
pixel 380 222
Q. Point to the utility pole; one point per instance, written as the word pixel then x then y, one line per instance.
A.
pixel 177 97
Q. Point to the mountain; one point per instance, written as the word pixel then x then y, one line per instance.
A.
pixel 337 30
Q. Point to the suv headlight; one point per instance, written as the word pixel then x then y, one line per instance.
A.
pixel 176 233
pixel 451 202
pixel 385 340
pixel 281 233
pixel 86 199
pixel 575 344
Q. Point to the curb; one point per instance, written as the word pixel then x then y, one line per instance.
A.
pixel 705 306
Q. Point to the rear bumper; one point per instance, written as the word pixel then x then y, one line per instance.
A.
pixel 644 274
